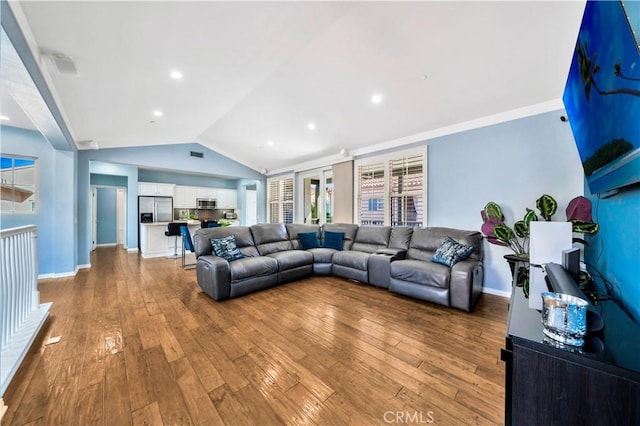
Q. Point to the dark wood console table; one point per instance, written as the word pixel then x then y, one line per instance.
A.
pixel 549 385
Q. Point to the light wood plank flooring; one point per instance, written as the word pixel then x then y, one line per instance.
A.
pixel 142 345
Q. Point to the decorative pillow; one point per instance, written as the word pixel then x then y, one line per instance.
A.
pixel 309 240
pixel 226 248
pixel 451 252
pixel 333 240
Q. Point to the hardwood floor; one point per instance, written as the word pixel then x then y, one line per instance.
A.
pixel 142 345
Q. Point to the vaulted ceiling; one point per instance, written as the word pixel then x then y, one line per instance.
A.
pixel 255 75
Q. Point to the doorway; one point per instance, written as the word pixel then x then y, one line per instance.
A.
pixel 108 216
pixel 251 205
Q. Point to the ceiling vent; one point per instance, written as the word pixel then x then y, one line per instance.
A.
pixel 62 64
pixel 88 144
pixel 197 154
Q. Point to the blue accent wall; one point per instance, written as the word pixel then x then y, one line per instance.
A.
pixel 615 249
pixel 56 200
pixel 107 216
pixel 511 163
pixel 108 180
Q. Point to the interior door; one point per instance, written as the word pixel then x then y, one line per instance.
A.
pixel 251 207
pixel 94 217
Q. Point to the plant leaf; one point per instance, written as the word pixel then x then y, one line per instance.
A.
pixel 522 278
pixel 503 232
pixel 580 209
pixel 521 229
pixel 584 227
pixel 493 210
pixel 547 206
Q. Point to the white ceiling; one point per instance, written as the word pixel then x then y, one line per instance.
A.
pixel 261 71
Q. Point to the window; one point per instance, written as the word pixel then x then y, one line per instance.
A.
pixel 18 183
pixel 280 199
pixel 371 194
pixel 406 191
pixel 391 189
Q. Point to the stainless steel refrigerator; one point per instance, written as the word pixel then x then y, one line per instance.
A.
pixel 155 209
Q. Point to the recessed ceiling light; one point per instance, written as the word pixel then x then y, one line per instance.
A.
pixel 311 126
pixel 157 113
pixel 4 117
pixel 376 99
pixel 270 143
pixel 176 75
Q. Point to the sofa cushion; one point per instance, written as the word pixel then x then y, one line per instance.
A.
pixel 351 259
pixel 451 252
pixel 226 248
pixel 333 240
pixel 309 240
pixel 400 237
pixel 293 229
pixel 249 267
pixel 271 238
pixel 423 273
pixel 244 240
pixel 428 240
pixel 322 255
pixel 349 230
pixel 292 259
pixel 371 238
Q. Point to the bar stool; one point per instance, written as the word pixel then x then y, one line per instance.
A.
pixel 187 244
pixel 173 230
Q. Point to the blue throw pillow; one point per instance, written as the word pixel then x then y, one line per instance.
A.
pixel 226 248
pixel 333 240
pixel 309 240
pixel 451 252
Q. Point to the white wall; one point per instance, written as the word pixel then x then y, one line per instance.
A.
pixel 510 163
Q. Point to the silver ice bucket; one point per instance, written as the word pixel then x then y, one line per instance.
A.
pixel 564 318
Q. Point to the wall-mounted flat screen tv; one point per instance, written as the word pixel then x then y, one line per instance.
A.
pixel 602 94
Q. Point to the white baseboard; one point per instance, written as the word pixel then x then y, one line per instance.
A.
pixel 495 292
pixel 132 250
pixel 64 274
pixel 106 245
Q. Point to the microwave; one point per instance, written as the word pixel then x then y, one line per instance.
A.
pixel 206 203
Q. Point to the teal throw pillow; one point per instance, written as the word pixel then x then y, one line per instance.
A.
pixel 309 240
pixel 333 240
pixel 451 252
pixel 226 248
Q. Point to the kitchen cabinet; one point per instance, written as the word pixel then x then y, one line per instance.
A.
pixel 210 193
pixel 185 197
pixel 227 199
pixel 161 189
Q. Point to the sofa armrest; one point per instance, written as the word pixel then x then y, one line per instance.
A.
pixel 395 253
pixel 465 284
pixel 214 276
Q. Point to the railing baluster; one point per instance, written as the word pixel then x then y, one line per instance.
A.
pixel 21 315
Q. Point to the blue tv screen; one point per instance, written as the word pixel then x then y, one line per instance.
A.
pixel 602 94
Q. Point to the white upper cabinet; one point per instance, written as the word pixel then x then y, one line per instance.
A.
pixel 227 199
pixel 159 189
pixel 210 193
pixel 184 197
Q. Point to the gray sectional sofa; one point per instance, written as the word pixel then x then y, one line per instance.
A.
pixel 396 258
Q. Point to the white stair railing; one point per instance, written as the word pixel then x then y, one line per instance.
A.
pixel 21 314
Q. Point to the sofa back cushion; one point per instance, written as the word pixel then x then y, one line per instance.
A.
pixel 371 238
pixel 349 230
pixel 293 229
pixel 425 242
pixel 271 238
pixel 244 240
pixel 400 237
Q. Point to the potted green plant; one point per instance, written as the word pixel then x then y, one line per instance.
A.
pixel 517 237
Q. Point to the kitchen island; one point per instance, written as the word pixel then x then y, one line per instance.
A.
pixel 153 242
